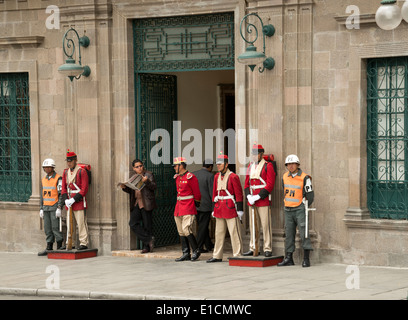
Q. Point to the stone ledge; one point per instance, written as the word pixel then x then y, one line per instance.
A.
pixel 23 41
pixel 399 225
pixel 367 19
pixel 360 218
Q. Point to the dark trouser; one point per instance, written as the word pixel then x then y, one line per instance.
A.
pixel 295 218
pixel 203 234
pixel 141 224
pixel 51 227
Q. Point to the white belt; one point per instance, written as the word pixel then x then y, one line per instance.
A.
pixel 225 198
pixel 74 191
pixel 229 196
pixel 260 186
pixel 185 197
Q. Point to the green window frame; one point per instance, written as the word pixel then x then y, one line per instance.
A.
pixel 15 138
pixel 387 136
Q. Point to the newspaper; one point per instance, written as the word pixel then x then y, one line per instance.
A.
pixel 135 182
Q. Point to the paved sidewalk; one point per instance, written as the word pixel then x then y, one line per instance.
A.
pixel 118 277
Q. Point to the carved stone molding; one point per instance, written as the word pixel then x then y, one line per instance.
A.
pixel 34 41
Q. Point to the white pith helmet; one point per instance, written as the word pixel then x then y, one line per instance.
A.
pixel 292 158
pixel 48 163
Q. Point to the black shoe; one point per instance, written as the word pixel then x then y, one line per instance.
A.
pixel 213 260
pixel 81 247
pixel 306 260
pixel 45 252
pixel 268 253
pixel 184 257
pixel 288 261
pixel 42 253
pixel 151 245
pixel 248 253
pixel 59 245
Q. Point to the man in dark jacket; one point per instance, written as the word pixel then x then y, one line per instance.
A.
pixel 142 204
pixel 206 182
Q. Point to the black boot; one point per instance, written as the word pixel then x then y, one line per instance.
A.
pixel 306 261
pixel 49 248
pixel 196 251
pixel 288 261
pixel 185 247
pixel 59 245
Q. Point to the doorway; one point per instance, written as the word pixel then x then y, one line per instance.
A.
pixel 179 62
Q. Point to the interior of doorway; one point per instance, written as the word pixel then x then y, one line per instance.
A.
pixel 206 100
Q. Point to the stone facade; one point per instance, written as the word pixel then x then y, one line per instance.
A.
pixel 312 104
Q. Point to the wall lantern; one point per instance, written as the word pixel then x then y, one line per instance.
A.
pixel 71 69
pixel 251 57
pixel 389 15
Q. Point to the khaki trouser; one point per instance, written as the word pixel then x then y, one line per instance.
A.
pixel 262 215
pixel 82 227
pixel 234 228
pixel 185 224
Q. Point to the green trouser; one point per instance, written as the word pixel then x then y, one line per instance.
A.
pixel 51 225
pixel 295 217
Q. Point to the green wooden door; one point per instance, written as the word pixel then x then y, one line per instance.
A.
pixel 156 97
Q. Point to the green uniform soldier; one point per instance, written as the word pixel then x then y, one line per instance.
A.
pixel 51 206
pixel 297 187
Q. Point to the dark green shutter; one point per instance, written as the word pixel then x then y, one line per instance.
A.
pixel 387 125
pixel 15 145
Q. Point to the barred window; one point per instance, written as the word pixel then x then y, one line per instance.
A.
pixel 387 117
pixel 15 143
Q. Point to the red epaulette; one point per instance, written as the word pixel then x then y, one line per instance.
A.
pixel 189 175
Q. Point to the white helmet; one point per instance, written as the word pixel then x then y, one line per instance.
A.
pixel 48 163
pixel 292 158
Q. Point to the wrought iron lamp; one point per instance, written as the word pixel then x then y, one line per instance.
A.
pixel 251 57
pixel 389 15
pixel 71 69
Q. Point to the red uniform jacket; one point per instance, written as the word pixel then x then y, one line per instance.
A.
pixel 187 185
pixel 225 209
pixel 81 180
pixel 268 175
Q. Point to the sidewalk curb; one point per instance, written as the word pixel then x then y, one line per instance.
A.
pixel 97 295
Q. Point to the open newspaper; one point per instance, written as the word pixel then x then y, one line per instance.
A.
pixel 135 182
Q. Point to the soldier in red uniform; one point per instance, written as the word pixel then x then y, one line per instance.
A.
pixel 228 209
pixel 74 189
pixel 188 197
pixel 259 182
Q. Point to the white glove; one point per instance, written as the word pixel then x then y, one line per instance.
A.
pixel 249 196
pixel 250 199
pixel 69 202
pixel 240 214
pixel 256 198
pixel 212 214
pixel 58 213
pixel 41 214
pixel 215 199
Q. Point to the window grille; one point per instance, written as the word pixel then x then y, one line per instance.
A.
pixel 184 43
pixel 387 117
pixel 15 144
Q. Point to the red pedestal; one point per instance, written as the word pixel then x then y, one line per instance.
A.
pixel 259 261
pixel 72 254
